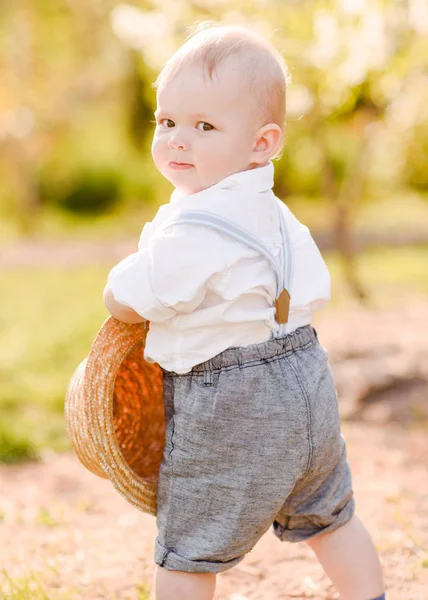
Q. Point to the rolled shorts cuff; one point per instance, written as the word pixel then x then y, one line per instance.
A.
pixel 300 529
pixel 172 561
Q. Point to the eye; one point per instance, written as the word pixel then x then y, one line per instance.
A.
pixel 166 123
pixel 203 126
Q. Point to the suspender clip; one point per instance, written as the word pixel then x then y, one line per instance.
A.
pixel 282 307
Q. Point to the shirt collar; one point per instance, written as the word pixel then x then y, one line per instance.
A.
pixel 255 180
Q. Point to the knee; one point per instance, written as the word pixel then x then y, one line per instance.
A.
pixel 184 586
pixel 337 534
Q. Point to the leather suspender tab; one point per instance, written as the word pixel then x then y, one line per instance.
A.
pixel 282 307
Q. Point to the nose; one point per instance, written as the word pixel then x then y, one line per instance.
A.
pixel 177 141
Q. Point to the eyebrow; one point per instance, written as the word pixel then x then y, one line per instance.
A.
pixel 158 113
pixel 200 115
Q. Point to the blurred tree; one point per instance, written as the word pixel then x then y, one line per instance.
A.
pixel 140 101
pixel 355 68
pixel 357 105
pixel 57 57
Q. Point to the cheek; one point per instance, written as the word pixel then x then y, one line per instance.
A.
pixel 159 148
pixel 211 150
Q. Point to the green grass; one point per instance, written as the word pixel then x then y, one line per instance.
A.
pixel 48 319
pixel 53 224
pixel 142 593
pixel 50 316
pixel 405 212
pixel 28 587
pixel 33 586
pixel 389 275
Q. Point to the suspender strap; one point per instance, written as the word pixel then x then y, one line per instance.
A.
pixel 199 217
pixel 286 248
pixel 283 276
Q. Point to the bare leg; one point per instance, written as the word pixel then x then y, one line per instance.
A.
pixel 177 585
pixel 350 560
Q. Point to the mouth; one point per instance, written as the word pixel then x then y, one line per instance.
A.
pixel 179 166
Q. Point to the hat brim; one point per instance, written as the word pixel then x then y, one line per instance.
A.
pixel 122 409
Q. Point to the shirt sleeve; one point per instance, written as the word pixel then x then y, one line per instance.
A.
pixel 171 275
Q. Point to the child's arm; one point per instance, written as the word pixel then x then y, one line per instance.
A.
pixel 120 311
pixel 171 275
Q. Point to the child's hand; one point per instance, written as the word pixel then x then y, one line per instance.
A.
pixel 120 311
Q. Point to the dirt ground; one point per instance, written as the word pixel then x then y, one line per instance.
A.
pixel 58 519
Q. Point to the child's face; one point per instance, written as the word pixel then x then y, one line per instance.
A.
pixel 206 129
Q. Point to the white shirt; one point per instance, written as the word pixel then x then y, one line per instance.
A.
pixel 203 291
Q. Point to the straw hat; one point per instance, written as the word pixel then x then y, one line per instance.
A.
pixel 115 414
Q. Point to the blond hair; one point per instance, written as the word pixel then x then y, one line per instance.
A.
pixel 262 65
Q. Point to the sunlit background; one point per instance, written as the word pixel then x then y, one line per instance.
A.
pixel 78 183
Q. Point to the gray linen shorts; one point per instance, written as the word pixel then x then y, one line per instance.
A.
pixel 252 441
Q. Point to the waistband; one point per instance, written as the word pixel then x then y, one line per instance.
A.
pixel 298 339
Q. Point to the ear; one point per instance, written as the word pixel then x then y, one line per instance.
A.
pixel 267 141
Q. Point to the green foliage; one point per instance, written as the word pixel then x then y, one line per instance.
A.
pixel 15 445
pixel 79 101
pixel 417 158
pixel 141 103
pixel 90 192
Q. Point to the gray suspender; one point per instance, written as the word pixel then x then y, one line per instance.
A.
pixel 283 276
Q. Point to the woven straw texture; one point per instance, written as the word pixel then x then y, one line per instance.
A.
pixel 115 414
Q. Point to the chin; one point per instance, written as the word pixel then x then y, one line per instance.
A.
pixel 187 188
pixel 183 183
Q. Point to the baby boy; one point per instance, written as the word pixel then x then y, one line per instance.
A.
pixel 229 280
